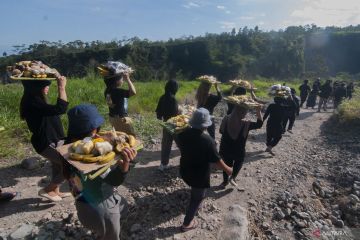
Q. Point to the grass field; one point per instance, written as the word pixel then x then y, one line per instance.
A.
pixel 90 90
pixel 349 111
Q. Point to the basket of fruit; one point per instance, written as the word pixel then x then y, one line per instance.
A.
pixel 240 83
pixel 32 70
pixel 242 100
pixel 208 78
pixel 176 124
pixel 112 68
pixel 279 90
pixel 92 155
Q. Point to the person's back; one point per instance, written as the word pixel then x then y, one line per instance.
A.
pixel 167 106
pixel 325 90
pixel 275 112
pixel 340 92
pixel 304 89
pixel 197 152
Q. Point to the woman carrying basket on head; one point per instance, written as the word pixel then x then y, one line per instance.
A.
pixel 208 101
pixel 115 73
pixel 235 130
pixel 43 120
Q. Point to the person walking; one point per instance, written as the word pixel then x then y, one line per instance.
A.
pixel 350 90
pixel 198 152
pixel 304 92
pixel 293 110
pixel 117 97
pixel 339 95
pixel 274 127
pixel 167 107
pixel 43 120
pixel 208 101
pixel 235 130
pixel 99 205
pixel 325 93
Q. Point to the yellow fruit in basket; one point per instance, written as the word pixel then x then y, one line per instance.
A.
pixel 98 140
pixel 79 157
pixel 132 140
pixel 38 76
pixel 88 147
pixel 43 75
pixel 120 147
pixel 103 158
pixel 27 74
pixel 76 144
pixel 107 158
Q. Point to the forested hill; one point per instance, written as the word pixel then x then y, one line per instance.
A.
pixel 294 52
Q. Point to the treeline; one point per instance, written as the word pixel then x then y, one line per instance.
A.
pixel 303 51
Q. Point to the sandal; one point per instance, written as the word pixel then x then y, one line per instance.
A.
pixel 190 227
pixel 7 196
pixel 44 194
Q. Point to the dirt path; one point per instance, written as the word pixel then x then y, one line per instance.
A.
pixel 308 189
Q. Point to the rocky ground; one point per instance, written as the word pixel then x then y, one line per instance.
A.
pixel 309 190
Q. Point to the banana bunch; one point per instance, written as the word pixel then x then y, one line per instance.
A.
pixel 209 79
pixel 31 69
pixel 92 151
pixel 179 120
pixel 102 159
pixel 114 68
pixel 240 83
pixel 120 140
pixel 103 71
pixel 242 100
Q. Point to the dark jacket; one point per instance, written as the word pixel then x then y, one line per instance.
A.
pixel 44 121
pixel 325 90
pixel 167 106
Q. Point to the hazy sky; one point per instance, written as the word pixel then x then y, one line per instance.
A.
pixel 29 21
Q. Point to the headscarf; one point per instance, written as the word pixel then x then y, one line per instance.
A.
pixel 171 87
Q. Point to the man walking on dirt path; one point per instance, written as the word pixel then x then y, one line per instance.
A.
pixel 325 92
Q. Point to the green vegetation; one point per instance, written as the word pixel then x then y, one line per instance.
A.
pixel 90 90
pixel 349 111
pixel 85 90
pixel 301 51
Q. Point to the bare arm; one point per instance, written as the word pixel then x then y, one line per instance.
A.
pixel 130 84
pixel 258 113
pixel 220 164
pixel 61 83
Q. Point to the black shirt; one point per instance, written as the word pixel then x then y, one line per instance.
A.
pixel 236 147
pixel 117 100
pixel 340 92
pixel 44 122
pixel 304 89
pixel 167 107
pixel 325 91
pixel 211 102
pixel 198 150
pixel 276 113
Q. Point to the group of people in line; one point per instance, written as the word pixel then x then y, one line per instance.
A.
pixel 336 91
pixel 99 205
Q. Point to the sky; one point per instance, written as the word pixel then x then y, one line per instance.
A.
pixel 30 21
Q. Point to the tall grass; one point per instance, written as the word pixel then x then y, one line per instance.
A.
pixel 91 90
pixel 85 90
pixel 349 110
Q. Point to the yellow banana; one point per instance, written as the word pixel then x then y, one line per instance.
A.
pixel 101 158
pixel 79 157
pixel 107 157
pixel 132 140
